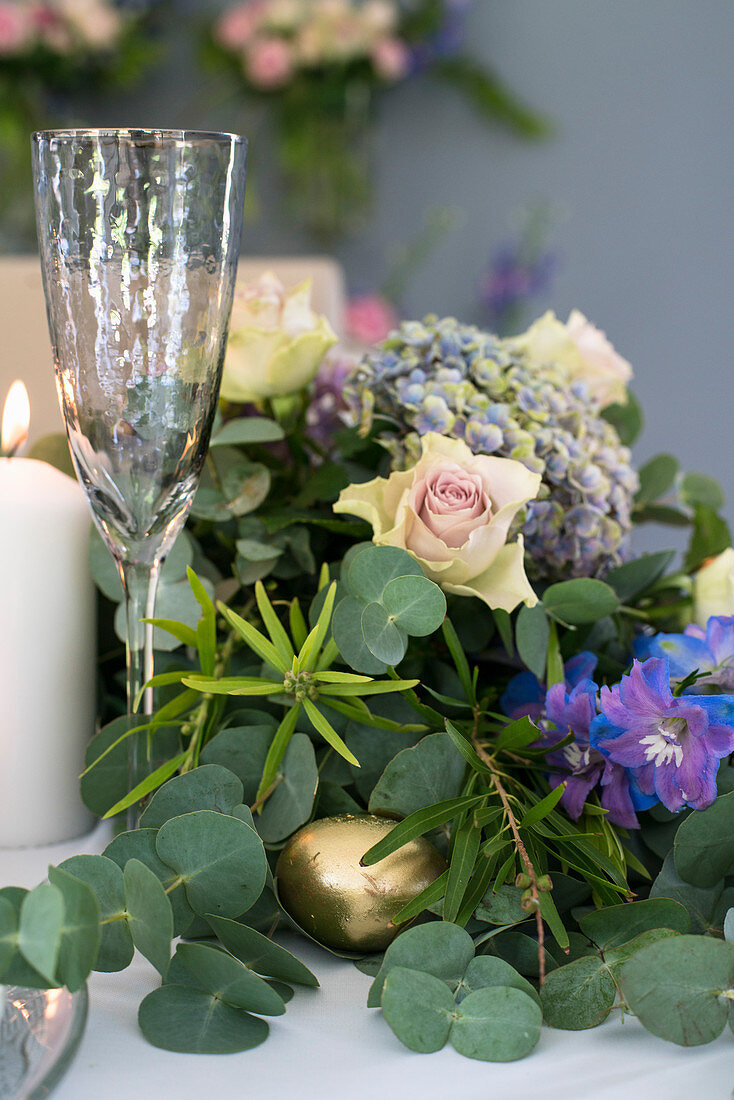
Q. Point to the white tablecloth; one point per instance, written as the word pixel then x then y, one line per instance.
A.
pixel 329 1046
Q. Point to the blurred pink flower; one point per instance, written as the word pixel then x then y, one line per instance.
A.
pixel 391 59
pixel 269 63
pixel 370 318
pixel 238 25
pixel 15 29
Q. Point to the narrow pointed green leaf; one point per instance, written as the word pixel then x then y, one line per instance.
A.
pixel 206 629
pixel 331 677
pixel 310 649
pixel 277 749
pixel 466 748
pixel 463 858
pixel 273 625
pixel 234 685
pixel 377 687
pixel 298 625
pixel 254 639
pixel 429 896
pixel 186 635
pixel 543 808
pixel 150 783
pixel 322 725
pixel 459 658
pixel 417 824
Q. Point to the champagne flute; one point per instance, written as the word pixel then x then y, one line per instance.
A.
pixel 139 234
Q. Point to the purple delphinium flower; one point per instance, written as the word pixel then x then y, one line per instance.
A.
pixel 711 651
pixel 671 745
pixel 525 696
pixel 582 767
pixel 327 412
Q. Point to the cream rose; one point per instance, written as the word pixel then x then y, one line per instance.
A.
pixel 582 351
pixel 713 588
pixel 453 512
pixel 276 341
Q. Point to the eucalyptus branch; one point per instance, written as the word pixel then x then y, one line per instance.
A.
pixel 488 760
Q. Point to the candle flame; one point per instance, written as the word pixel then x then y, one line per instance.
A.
pixel 16 419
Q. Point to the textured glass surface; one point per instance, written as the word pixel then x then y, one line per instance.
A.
pixel 40 1030
pixel 139 234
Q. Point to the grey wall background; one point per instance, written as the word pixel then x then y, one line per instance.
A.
pixel 642 161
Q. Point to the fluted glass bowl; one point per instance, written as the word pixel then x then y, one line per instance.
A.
pixel 40 1030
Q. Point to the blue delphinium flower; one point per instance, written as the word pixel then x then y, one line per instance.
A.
pixel 579 765
pixel 711 651
pixel 525 696
pixel 671 745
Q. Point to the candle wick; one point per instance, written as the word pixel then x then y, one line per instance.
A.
pixel 15 447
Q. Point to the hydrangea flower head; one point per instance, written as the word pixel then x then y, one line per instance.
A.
pixel 670 744
pixel 440 375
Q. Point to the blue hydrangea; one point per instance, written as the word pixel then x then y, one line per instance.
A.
pixel 440 375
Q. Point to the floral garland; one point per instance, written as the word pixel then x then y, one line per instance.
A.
pixel 376 663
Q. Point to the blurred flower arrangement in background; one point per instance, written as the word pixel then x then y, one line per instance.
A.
pixel 48 50
pixel 521 269
pixel 322 65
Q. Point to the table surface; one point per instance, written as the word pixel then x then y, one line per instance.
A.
pixel 329 1045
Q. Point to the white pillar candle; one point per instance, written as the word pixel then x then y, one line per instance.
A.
pixel 47 653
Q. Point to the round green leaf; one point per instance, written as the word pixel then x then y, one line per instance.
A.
pixel 221 860
pixel 39 931
pixel 149 914
pixel 260 953
pixel 208 787
pixel 375 566
pixel 291 802
pixel 581 601
pixel 106 880
pixel 617 924
pixel 80 933
pixel 242 749
pixel 16 971
pixel 496 1024
pixel 729 926
pixel 229 980
pixel 488 970
pixel 532 634
pixel 185 1019
pixel 250 429
pixel 383 637
pixel 140 844
pixel 701 903
pixel 8 934
pixel 346 628
pixel 502 907
pixel 419 1009
pixel 579 995
pixel 417 605
pixel 677 988
pixel 430 772
pixel 704 844
pixel 441 949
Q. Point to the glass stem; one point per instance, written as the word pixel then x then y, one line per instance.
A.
pixel 139 584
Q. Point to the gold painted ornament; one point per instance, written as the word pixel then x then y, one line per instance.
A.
pixel 336 901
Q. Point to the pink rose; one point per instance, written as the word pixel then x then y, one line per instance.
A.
pixel 15 29
pixel 391 59
pixel 269 63
pixel 370 318
pixel 238 25
pixel 452 511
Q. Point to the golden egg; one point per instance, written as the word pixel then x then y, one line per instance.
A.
pixel 340 903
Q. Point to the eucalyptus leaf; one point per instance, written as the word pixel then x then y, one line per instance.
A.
pixel 615 925
pixel 17 971
pixel 106 880
pixel 208 787
pixel 704 844
pixel 416 604
pixel 441 949
pixel 247 429
pixel 496 1024
pixel 80 932
pixel 291 802
pixel 39 930
pixel 229 980
pixel 419 1008
pixel 220 859
pixel 8 934
pixel 149 913
pixel 260 953
pixel 532 634
pixel 243 750
pixel 681 988
pixel 502 906
pixel 579 995
pixel 729 926
pixel 140 844
pixel 347 632
pixel 431 771
pixel 383 637
pixel 372 569
pixel 580 601
pixel 181 1018
pixel 700 902
pixel 488 970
